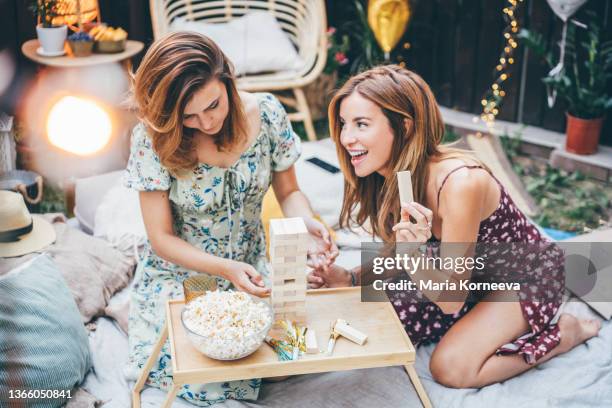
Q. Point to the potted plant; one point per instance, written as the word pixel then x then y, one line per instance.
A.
pixel 50 36
pixel 581 82
pixel 320 91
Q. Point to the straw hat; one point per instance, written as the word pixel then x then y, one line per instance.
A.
pixel 21 232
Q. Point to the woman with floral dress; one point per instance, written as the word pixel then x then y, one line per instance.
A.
pixel 387 120
pixel 202 158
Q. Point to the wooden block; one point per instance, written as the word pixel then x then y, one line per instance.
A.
pixel 292 304
pixel 294 286
pixel 292 280
pixel 291 310
pixel 287 228
pixel 295 225
pixel 295 249
pixel 290 268
pixel 350 333
pixel 311 341
pixel 290 240
pixel 286 261
pixel 280 297
pixel 404 184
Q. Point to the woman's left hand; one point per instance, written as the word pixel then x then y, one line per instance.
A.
pixel 325 250
pixel 417 232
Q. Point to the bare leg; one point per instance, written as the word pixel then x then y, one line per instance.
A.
pixel 573 333
pixel 465 356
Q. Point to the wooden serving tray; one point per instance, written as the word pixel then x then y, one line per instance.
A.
pixel 387 343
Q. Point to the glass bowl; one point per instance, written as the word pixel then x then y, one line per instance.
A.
pixel 208 345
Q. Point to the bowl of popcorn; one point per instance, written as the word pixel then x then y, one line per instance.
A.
pixel 226 325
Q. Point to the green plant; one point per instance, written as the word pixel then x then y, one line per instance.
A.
pixel 368 53
pixel 336 52
pixel 568 201
pixel 582 81
pixel 45 10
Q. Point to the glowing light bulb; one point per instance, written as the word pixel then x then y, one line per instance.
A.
pixel 79 126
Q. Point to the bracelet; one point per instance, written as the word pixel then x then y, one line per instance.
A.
pixel 353 278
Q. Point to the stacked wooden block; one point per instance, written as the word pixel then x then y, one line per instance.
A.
pixel 289 242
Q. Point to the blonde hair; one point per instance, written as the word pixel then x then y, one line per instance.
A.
pixel 173 69
pixel 401 94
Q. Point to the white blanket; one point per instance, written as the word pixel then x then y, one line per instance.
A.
pixel 579 378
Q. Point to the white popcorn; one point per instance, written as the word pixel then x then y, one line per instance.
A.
pixel 227 325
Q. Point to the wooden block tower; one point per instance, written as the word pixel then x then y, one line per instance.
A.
pixel 289 242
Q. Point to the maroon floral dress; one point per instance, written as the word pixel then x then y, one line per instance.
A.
pixel 425 322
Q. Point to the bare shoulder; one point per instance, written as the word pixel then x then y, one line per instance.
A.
pixel 468 185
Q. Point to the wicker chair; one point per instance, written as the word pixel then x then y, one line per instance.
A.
pixel 304 21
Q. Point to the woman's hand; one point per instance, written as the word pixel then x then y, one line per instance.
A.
pixel 334 276
pixel 245 278
pixel 416 232
pixel 325 250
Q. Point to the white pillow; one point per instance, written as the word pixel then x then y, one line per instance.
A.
pixel 119 221
pixel 88 195
pixel 254 42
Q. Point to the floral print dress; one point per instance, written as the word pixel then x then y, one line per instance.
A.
pixel 217 210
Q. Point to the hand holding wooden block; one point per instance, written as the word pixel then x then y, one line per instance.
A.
pixel 404 184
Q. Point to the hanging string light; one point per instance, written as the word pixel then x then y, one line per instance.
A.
pixel 494 95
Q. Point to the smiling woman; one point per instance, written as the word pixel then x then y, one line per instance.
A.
pixel 386 120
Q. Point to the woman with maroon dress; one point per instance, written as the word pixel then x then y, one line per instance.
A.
pixel 386 120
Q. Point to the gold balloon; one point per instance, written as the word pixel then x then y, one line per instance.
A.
pixel 388 20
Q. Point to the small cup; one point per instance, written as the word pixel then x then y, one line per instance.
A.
pixel 198 285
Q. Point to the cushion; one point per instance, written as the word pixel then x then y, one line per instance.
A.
pixel 118 220
pixel 43 344
pixel 246 42
pixel 91 267
pixel 88 193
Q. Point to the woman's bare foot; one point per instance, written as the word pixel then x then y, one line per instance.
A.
pixel 575 331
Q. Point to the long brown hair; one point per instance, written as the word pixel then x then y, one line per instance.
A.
pixel 401 94
pixel 173 69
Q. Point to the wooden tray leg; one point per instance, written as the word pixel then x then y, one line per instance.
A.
pixel 171 395
pixel 416 382
pixel 147 368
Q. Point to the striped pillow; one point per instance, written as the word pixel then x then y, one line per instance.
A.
pixel 43 343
